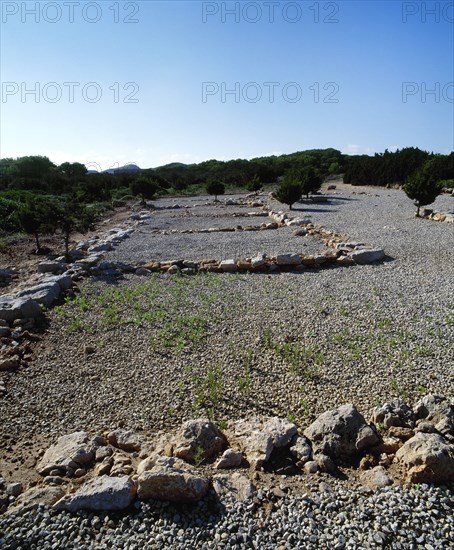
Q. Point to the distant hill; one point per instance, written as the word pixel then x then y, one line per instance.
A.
pixel 127 169
pixel 172 165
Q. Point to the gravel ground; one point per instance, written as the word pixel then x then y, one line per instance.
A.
pixel 231 345
pixel 333 517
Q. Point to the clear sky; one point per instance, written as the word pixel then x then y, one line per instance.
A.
pixel 155 82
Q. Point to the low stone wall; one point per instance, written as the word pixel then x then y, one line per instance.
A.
pixel 399 443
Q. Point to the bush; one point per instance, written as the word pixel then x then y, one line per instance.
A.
pixel 254 185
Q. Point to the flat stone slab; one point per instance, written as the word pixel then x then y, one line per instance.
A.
pixel 101 493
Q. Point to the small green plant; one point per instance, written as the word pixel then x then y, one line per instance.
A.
pixel 384 324
pixel 397 389
pixel 208 390
pixel 199 456
pixel 304 406
pixel 291 418
pixel 222 424
pixel 76 324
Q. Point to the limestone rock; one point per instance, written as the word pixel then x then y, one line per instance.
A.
pixel 69 453
pixel 401 433
pixel 428 457
pixel 335 432
pixel 65 281
pixel 198 434
pixel 166 482
pixel 50 267
pixel 394 413
pixel 367 437
pixel 100 493
pixel 228 266
pixel 258 261
pixel 288 259
pixel 281 431
pixel 126 440
pixel 236 485
pixel 32 498
pixel 376 478
pixel 229 459
pixel 438 410
pixel 24 307
pixel 14 489
pixel 44 293
pixel 367 256
pixel 311 467
pixel 325 463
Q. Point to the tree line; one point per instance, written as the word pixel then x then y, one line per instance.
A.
pixel 38 196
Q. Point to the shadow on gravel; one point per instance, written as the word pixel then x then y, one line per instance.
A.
pixel 203 515
pixel 315 209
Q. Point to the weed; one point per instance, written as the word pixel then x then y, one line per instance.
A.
pixel 199 456
pixel 304 406
pixel 208 389
pixel 75 324
pixel 222 424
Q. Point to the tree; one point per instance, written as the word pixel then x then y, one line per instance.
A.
pixel 70 216
pixel 35 217
pixel 31 167
pixel 73 170
pixel 310 180
pixel 423 187
pixel 289 190
pixel 215 188
pixel 145 187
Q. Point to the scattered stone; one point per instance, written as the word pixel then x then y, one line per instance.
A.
pixel 12 308
pixel 311 467
pixel 50 267
pixel 367 437
pixel 236 485
pixel 301 450
pixel 229 459
pixel 10 363
pixel 325 463
pixel 281 431
pixel 14 489
pixel 142 272
pixel 367 256
pixel 45 293
pixel 376 478
pixel 401 433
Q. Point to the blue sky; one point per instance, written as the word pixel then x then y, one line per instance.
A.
pixel 152 79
